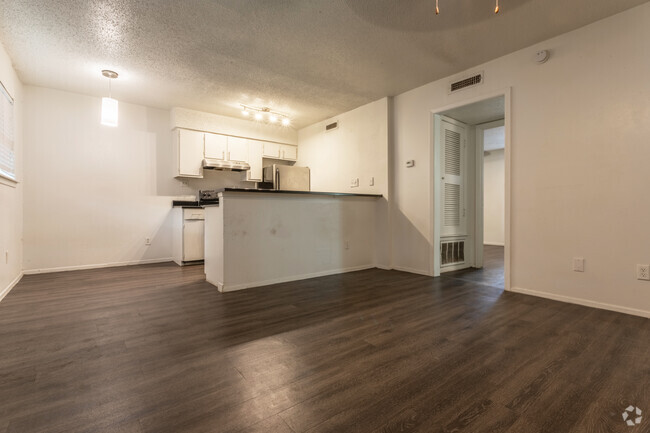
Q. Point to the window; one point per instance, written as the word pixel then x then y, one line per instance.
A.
pixel 7 157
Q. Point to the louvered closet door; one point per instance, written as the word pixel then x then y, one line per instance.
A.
pixel 453 139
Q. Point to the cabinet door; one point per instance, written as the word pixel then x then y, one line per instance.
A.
pixel 215 146
pixel 237 149
pixel 272 150
pixel 290 153
pixel 190 153
pixel 255 161
pixel 193 240
pixel 454 219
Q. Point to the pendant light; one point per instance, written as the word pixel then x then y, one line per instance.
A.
pixel 109 105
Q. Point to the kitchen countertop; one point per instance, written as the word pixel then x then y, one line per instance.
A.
pixel 189 204
pixel 273 191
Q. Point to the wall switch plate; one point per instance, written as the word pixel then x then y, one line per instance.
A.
pixel 147 241
pixel 578 264
pixel 6 257
pixel 347 245
pixel 643 272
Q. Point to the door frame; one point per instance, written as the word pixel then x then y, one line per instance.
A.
pixel 434 178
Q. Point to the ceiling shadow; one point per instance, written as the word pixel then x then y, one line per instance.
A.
pixel 420 16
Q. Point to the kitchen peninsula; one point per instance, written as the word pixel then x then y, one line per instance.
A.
pixel 260 237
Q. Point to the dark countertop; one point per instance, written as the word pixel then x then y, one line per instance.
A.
pixel 273 191
pixel 189 204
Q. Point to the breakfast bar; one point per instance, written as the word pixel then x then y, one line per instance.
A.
pixel 261 237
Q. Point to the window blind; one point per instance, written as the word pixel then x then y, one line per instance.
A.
pixel 7 157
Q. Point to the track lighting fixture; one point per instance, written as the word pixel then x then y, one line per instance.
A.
pixel 265 114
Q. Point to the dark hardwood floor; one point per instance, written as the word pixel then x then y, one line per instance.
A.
pixel 156 349
pixel 490 274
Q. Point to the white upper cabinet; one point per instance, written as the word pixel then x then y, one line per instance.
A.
pixel 289 153
pixel 216 146
pixel 286 152
pixel 237 149
pixel 255 161
pixel 272 150
pixel 188 153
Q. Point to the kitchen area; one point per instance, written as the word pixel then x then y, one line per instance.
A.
pixel 270 226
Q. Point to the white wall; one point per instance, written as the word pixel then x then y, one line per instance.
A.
pixel 11 194
pixel 494 197
pixel 579 133
pixel 91 191
pixel 359 148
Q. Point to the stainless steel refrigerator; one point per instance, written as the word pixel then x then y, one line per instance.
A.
pixel 287 177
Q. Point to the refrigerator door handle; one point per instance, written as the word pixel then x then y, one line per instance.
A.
pixel 277 179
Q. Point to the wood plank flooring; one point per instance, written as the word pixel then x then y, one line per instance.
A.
pixel 156 349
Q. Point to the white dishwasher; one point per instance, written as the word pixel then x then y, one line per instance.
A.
pixel 188 239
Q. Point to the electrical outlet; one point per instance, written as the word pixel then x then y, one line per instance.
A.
pixel 347 245
pixel 578 264
pixel 372 181
pixel 643 272
pixel 354 182
pixel 6 257
pixel 147 241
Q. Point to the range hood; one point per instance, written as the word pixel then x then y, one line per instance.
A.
pixel 219 164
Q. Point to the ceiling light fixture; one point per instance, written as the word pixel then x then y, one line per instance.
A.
pixel 109 105
pixel 496 7
pixel 265 113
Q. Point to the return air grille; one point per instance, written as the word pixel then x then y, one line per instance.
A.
pixel 331 126
pixel 452 205
pixel 452 152
pixel 467 82
pixel 452 252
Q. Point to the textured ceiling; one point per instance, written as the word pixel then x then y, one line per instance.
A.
pixel 309 58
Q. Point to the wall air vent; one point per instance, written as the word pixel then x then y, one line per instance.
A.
pixel 466 82
pixel 452 252
pixel 332 126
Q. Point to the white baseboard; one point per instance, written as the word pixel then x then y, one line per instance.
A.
pixel 496 244
pixel 95 266
pixel 232 287
pixel 11 285
pixel 412 270
pixel 581 301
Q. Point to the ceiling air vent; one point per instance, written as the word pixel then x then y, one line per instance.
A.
pixel 332 126
pixel 466 82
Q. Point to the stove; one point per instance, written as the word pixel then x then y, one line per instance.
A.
pixel 208 196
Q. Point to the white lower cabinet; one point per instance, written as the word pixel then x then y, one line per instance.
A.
pixel 188 238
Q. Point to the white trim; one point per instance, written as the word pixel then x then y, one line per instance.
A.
pixel 233 287
pixel 581 301
pixel 96 266
pixel 11 285
pixel 434 184
pixel 496 244
pixel 5 180
pixel 413 270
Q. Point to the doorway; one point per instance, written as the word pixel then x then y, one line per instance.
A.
pixel 470 182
